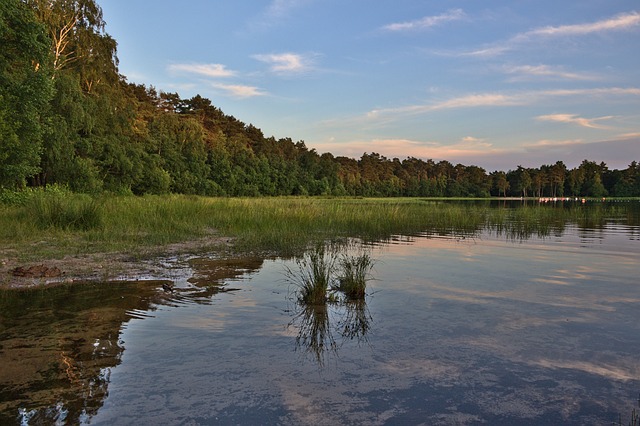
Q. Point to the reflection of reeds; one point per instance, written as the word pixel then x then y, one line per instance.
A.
pixel 315 297
pixel 314 334
pixel 635 416
pixel 357 320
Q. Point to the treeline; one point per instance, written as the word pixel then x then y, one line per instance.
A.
pixel 68 117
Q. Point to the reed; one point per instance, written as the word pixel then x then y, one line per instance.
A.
pixel 354 274
pixel 314 275
pixel 71 223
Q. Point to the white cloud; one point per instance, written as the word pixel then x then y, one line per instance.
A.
pixel 502 99
pixel 575 119
pixel 427 21
pixel 286 63
pixel 622 22
pixel 240 91
pixel 207 70
pixel 383 116
pixel 525 72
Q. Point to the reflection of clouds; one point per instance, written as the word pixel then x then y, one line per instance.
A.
pixel 615 372
pixel 211 323
pixel 551 281
pixel 429 369
pixel 523 295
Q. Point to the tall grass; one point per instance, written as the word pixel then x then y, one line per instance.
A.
pixel 72 223
pixel 314 275
pixel 74 213
pixel 354 274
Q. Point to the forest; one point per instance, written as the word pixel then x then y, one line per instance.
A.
pixel 68 118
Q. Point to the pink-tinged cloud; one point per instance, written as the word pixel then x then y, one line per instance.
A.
pixel 530 72
pixel 403 148
pixel 575 119
pixel 616 154
pixel 240 91
pixel 206 70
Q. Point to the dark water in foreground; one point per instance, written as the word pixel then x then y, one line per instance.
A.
pixel 453 331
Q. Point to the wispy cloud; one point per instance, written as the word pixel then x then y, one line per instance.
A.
pixel 622 22
pixel 427 21
pixel 403 148
pixel 274 14
pixel 384 116
pixel 207 70
pixel 504 99
pixel 287 63
pixel 528 72
pixel 575 119
pixel 240 91
pixel 282 8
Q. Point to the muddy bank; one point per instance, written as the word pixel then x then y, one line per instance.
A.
pixel 147 263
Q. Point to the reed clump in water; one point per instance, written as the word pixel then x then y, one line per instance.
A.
pixel 314 276
pixel 326 270
pixel 354 274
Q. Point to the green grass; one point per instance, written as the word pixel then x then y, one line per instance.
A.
pixel 45 225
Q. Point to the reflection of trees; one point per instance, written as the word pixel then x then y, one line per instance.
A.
pixel 58 346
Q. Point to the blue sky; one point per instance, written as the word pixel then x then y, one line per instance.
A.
pixel 490 83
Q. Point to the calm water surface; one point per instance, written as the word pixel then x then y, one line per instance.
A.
pixel 482 329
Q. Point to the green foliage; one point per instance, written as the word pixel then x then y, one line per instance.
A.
pixel 67 117
pixel 25 89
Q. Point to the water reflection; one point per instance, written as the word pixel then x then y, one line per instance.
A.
pixel 317 326
pixel 58 345
pixel 467 330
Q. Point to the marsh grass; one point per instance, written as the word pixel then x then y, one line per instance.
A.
pixel 324 307
pixel 65 212
pixel 75 223
pixel 354 274
pixel 314 275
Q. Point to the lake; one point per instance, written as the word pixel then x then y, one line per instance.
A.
pixel 538 327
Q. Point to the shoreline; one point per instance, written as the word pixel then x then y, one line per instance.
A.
pixel 106 267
